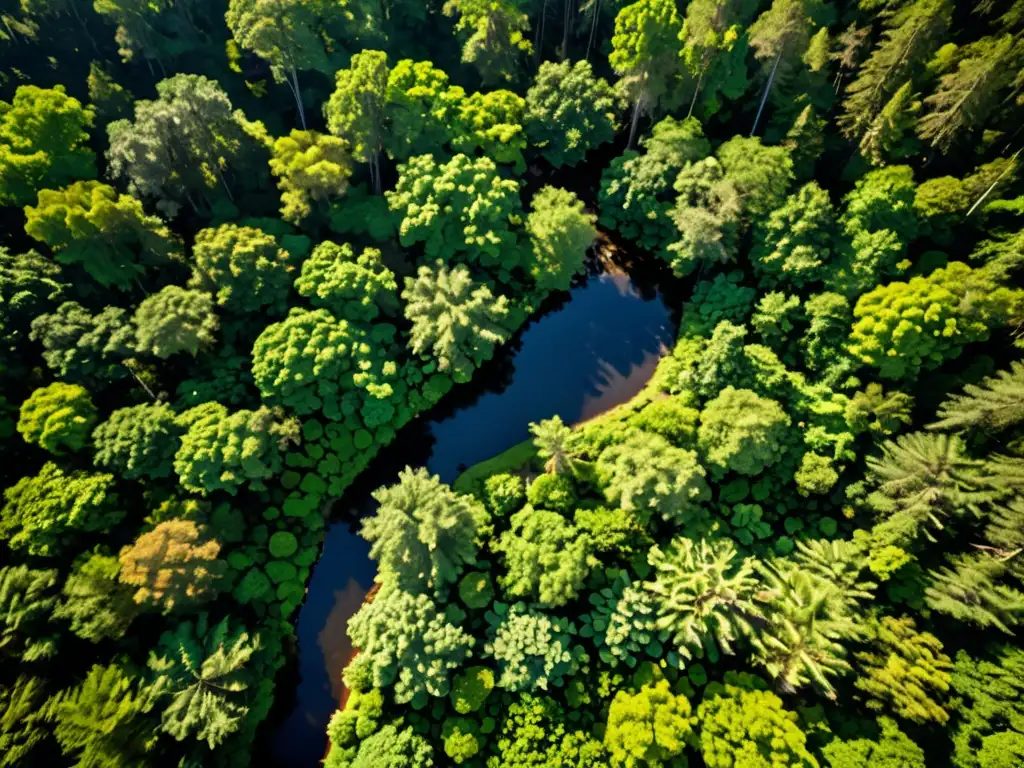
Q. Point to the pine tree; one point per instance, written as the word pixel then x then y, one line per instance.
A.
pixel 973 591
pixel 884 140
pixel 22 724
pixel 703 595
pixel 995 404
pixel 27 599
pixel 911 36
pixel 920 483
pixel 965 97
pixel 102 722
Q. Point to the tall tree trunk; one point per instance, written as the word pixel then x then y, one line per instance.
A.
pixel 593 26
pixel 538 39
pixel 566 21
pixel 1011 166
pixel 634 122
pixel 294 83
pixel 136 377
pixel 696 89
pixel 81 23
pixel 767 88
pixel 224 182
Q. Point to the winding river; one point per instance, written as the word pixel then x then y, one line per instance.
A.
pixel 582 355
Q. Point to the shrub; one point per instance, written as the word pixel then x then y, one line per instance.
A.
pixel 551 492
pixel 476 590
pixel 471 688
pixel 504 493
pixel 283 544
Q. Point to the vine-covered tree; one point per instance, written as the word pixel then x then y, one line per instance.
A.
pixel 423 533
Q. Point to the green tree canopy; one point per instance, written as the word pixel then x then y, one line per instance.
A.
pixel 311 168
pixel 649 728
pixel 173 566
pixel 107 234
pixel 175 320
pixel 356 109
pixel 456 321
pixel 244 268
pixel 203 674
pixel 703 595
pixel 991 688
pixel 423 533
pixel 749 727
pixel 57 416
pixel 532 649
pixel 421 109
pixel 221 450
pixel 43 143
pixel 30 285
pixel 44 513
pixel 138 441
pixel 354 288
pixel 546 557
pixel 646 475
pixel 891 749
pixel 102 721
pixel 27 599
pixel 491 124
pixel 904 328
pixel 184 144
pixel 494 36
pixel 409 643
pixel 95 603
pixel 742 431
pixel 461 210
pixel 569 111
pixel 79 346
pixel 793 244
pixel 309 360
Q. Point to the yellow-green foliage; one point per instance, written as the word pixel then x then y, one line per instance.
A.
pixel 57 416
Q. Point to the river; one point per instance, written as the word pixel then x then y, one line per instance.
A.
pixel 580 356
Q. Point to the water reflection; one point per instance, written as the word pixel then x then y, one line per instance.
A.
pixel 582 356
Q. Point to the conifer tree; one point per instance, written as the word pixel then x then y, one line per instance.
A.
pixel 95 603
pixel 103 722
pixel 27 599
pixel 995 404
pixel 912 35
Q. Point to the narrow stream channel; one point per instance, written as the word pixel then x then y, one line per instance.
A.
pixel 581 357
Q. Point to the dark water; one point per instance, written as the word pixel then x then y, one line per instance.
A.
pixel 579 358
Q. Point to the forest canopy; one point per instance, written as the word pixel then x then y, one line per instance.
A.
pixel 247 242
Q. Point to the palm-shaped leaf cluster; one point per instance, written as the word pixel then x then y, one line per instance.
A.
pixel 809 617
pixel 993 405
pixel 204 672
pixel 704 593
pixel 551 438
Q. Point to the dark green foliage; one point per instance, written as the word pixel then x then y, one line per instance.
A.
pixel 139 441
pixel 95 603
pixel 988 725
pixel 471 688
pixel 27 599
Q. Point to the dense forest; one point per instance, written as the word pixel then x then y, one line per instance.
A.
pixel 245 242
